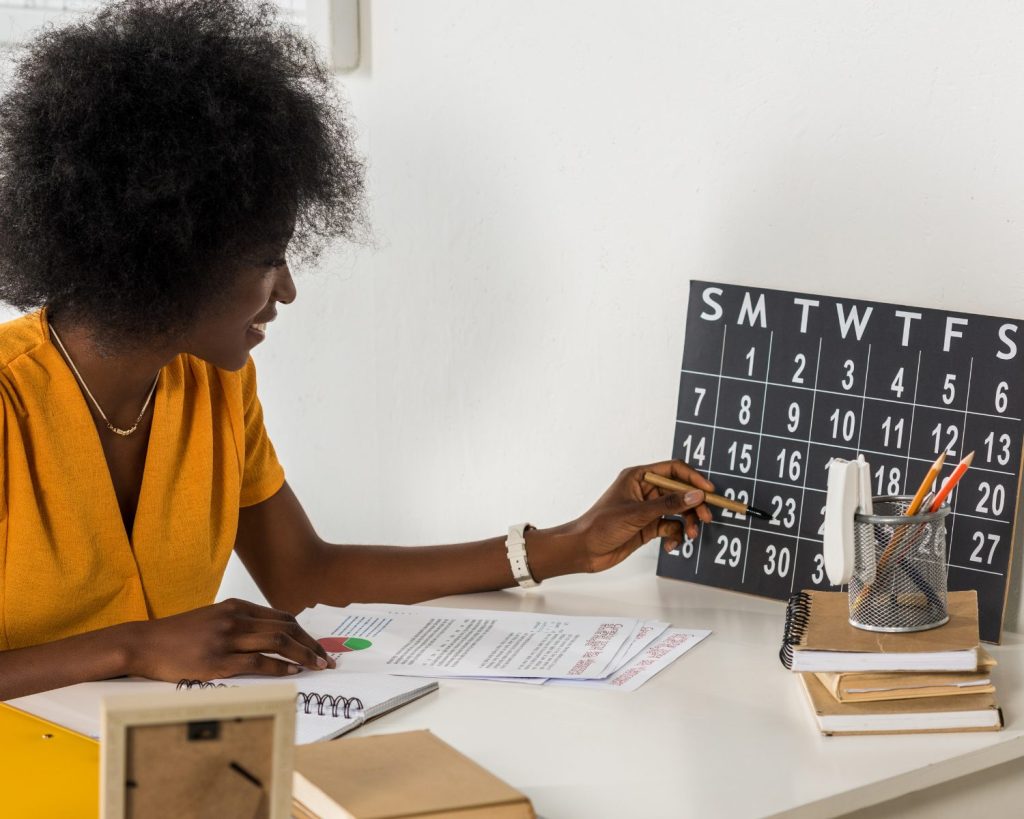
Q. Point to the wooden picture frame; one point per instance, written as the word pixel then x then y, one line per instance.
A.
pixel 217 752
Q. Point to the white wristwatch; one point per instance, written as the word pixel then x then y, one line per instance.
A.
pixel 515 544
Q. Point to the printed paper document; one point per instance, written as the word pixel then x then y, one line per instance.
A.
pixel 430 641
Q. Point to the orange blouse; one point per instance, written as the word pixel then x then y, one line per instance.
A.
pixel 66 563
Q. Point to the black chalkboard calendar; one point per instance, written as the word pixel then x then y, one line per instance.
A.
pixel 775 384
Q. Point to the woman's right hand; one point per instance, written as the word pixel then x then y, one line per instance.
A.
pixel 223 640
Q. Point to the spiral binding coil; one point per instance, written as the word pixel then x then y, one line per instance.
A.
pixel 345 704
pixel 798 613
pixel 324 704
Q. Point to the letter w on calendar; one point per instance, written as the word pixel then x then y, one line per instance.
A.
pixel 441 642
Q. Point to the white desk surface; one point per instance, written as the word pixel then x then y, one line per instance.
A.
pixel 724 731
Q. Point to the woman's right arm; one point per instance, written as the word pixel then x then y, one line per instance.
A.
pixel 223 640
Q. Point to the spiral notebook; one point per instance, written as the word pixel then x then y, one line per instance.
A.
pixel 329 703
pixel 818 637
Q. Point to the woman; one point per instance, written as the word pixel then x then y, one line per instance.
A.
pixel 156 164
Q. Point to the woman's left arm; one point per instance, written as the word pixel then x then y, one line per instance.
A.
pixel 296 569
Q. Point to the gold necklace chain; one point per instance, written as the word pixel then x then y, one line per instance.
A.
pixel 124 433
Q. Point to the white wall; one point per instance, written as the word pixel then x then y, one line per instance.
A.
pixel 545 178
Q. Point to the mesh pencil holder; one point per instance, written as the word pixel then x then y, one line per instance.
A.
pixel 899 568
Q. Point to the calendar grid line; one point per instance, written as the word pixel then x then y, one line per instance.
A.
pixel 963 438
pixel 783 385
pixel 976 569
pixel 807 461
pixel 676 552
pixel 913 412
pixel 769 482
pixel 757 460
pixel 747 525
pixel 863 399
pixel 711 454
pixel 836 446
pixel 772 532
pixel 977 517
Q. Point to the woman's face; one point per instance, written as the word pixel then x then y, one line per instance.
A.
pixel 227 330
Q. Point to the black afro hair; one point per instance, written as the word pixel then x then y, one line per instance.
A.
pixel 146 148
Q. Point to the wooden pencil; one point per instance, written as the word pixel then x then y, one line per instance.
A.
pixel 710 498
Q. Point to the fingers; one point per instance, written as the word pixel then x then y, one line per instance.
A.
pixel 251 619
pixel 671 531
pixel 267 636
pixel 704 513
pixel 245 608
pixel 673 504
pixel 679 471
pixel 257 664
pixel 690 525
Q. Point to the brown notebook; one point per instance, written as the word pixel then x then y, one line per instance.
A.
pixel 390 776
pixel 819 637
pixel 857 686
pixel 971 712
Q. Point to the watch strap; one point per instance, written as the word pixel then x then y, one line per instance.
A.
pixel 515 546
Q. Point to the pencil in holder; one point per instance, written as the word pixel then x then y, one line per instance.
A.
pixel 899 568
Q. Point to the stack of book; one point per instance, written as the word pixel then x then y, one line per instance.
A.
pixel 866 682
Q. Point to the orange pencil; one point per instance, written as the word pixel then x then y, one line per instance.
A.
pixel 950 482
pixel 915 505
pixel 926 484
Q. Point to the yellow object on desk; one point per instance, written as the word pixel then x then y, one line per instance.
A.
pixel 46 770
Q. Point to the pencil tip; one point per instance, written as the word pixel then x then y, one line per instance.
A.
pixel 758 513
pixel 969 458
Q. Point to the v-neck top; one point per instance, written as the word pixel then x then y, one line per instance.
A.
pixel 67 565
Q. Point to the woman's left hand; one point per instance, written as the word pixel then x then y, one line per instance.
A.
pixel 629 514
